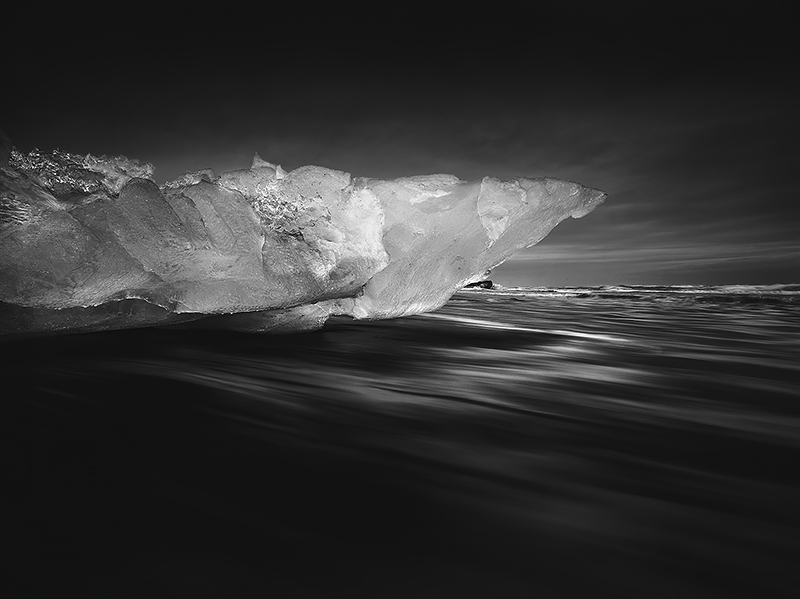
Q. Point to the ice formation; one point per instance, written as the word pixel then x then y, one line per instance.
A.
pixel 93 243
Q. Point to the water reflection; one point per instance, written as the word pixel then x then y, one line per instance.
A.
pixel 503 446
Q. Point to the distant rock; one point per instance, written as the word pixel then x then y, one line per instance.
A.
pixel 480 285
pixel 258 248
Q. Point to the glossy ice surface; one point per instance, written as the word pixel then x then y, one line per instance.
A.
pixel 260 249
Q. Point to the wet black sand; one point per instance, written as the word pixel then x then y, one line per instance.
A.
pixel 503 447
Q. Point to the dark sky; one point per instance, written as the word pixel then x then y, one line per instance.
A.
pixel 686 114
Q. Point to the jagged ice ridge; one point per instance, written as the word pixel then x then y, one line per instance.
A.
pixel 93 243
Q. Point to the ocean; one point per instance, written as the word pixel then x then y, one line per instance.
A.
pixel 638 441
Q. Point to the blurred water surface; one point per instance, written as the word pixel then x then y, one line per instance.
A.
pixel 515 443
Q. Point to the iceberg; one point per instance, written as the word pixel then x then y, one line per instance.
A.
pixel 91 243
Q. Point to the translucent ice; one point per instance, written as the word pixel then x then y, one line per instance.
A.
pixel 258 249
